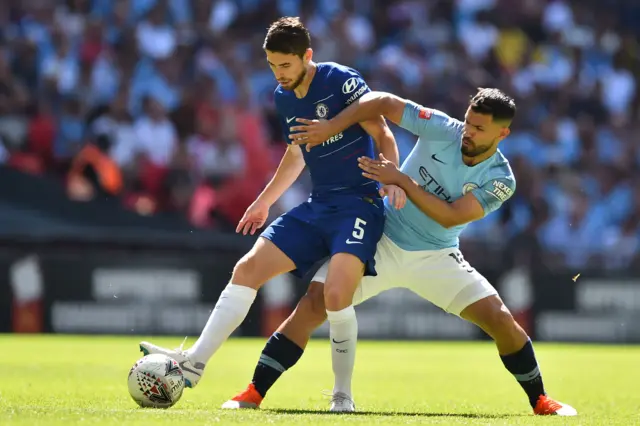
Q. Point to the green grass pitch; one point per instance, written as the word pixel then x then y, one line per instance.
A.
pixel 70 380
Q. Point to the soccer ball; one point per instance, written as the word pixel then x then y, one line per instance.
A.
pixel 156 381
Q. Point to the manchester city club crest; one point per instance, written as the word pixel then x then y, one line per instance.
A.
pixel 322 111
pixel 467 187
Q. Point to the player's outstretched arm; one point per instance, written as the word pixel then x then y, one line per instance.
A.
pixel 387 146
pixel 383 138
pixel 369 107
pixel 290 167
pixel 464 210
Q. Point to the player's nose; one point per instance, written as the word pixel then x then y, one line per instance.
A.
pixel 468 131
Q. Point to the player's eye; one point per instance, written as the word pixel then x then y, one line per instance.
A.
pixel 478 128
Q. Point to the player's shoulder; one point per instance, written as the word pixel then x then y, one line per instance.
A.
pixel 434 123
pixel 280 96
pixel 346 80
pixel 442 118
pixel 335 69
pixel 500 169
pixel 339 74
pixel 279 92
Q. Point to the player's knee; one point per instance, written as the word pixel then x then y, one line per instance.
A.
pixel 500 322
pixel 246 271
pixel 345 272
pixel 313 304
pixel 336 298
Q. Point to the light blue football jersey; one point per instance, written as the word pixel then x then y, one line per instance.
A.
pixel 436 164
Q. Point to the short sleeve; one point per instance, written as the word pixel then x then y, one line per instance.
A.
pixel 494 193
pixel 428 123
pixel 285 122
pixel 352 85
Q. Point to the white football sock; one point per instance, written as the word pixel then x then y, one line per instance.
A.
pixel 343 333
pixel 231 309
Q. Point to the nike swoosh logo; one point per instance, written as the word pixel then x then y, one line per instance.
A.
pixel 436 159
pixel 187 369
pixel 289 120
pixel 334 341
pixel 354 242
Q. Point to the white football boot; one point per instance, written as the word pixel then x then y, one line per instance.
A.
pixel 192 371
pixel 342 403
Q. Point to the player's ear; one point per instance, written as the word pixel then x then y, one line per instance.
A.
pixel 308 55
pixel 505 132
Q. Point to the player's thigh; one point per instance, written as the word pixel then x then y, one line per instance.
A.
pixel 445 279
pixel 263 262
pixel 344 275
pixel 389 273
pixel 301 242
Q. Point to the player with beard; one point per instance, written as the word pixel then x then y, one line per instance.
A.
pixel 454 175
pixel 342 220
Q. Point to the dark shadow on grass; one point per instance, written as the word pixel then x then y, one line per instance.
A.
pixel 396 413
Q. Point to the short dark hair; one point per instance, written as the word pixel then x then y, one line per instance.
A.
pixel 493 102
pixel 287 35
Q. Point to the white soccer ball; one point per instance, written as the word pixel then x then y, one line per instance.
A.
pixel 156 381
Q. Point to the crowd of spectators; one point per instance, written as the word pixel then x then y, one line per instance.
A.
pixel 167 105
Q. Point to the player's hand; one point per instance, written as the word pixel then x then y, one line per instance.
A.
pixel 255 216
pixel 382 170
pixel 397 196
pixel 313 133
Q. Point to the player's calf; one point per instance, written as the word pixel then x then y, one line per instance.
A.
pixel 284 348
pixel 514 346
pixel 345 272
pixel 492 316
pixel 308 315
pixel 264 261
pixel 516 352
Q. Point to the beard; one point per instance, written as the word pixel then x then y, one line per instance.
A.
pixel 294 85
pixel 471 149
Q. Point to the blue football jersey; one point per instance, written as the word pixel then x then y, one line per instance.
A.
pixel 333 166
pixel 436 163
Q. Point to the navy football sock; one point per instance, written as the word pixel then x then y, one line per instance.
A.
pixel 524 367
pixel 278 355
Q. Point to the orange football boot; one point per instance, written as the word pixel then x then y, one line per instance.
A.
pixel 550 407
pixel 248 398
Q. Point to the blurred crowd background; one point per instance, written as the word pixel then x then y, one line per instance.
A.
pixel 166 105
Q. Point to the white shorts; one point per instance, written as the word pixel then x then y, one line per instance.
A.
pixel 442 277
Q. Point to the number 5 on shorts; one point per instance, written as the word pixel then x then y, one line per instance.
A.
pixel 358 230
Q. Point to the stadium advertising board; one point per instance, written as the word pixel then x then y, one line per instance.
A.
pixel 111 292
pixel 116 293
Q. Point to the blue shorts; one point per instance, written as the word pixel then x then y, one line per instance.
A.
pixel 315 230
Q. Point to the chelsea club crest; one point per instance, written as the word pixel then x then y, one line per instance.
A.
pixel 322 111
pixel 468 187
